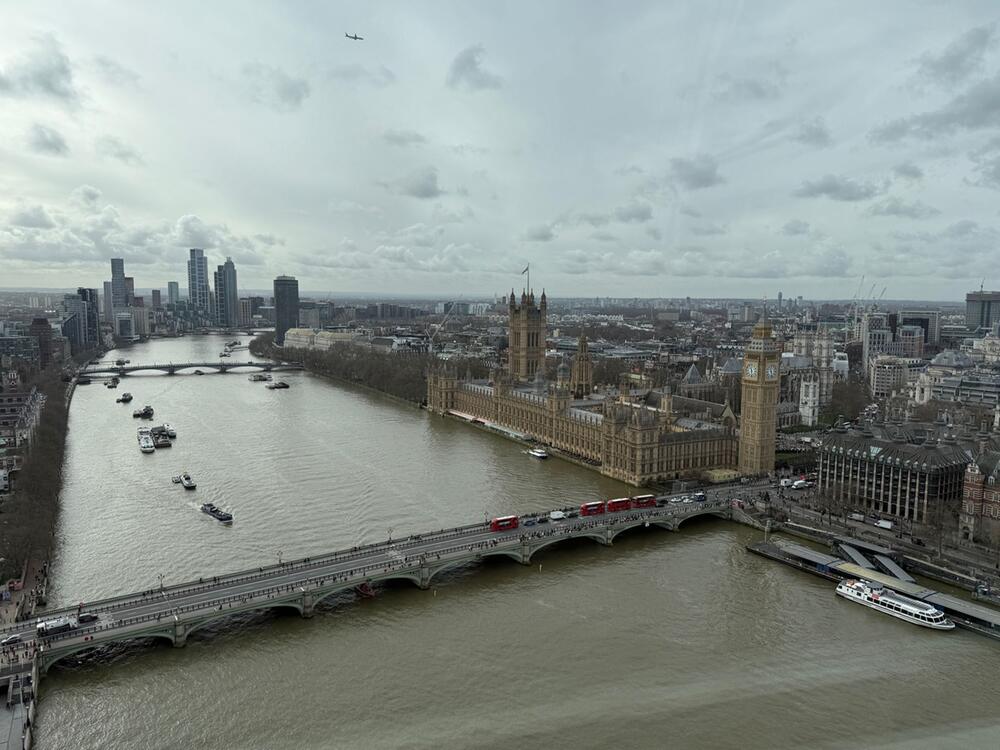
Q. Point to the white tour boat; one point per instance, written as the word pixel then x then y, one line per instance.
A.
pixel 876 596
pixel 146 444
pixel 538 453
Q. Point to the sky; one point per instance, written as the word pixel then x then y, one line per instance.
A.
pixel 658 149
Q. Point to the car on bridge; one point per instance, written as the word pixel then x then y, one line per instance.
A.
pixel 11 640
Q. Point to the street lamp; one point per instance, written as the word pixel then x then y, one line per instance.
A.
pixel 390 534
pixel 160 576
pixel 279 557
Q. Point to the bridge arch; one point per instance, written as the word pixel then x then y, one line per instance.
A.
pixel 47 658
pixel 707 512
pixel 547 542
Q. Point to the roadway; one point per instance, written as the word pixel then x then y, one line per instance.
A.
pixel 171 612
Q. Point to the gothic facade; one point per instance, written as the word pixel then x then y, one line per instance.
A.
pixel 759 402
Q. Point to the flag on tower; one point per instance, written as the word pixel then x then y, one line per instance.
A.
pixel 525 269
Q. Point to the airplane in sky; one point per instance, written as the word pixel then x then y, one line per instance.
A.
pixel 355 37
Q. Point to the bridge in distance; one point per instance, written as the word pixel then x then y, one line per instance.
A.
pixel 176 368
pixel 174 612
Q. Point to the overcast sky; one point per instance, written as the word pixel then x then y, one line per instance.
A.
pixel 623 149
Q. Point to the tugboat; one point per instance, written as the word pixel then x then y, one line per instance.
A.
pixel 277 385
pixel 169 429
pixel 145 412
pixel 161 440
pixel 187 481
pixel 217 513
pixel 124 398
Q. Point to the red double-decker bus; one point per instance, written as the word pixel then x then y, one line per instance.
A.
pixel 503 523
pixel 595 508
pixel 618 504
pixel 644 501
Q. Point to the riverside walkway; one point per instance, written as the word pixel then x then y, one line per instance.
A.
pixel 174 612
pixel 175 368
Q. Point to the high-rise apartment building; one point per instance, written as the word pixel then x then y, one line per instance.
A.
pixel 108 304
pixel 129 290
pixel 173 293
pixel 227 300
pixel 118 293
pixel 286 306
pixel 198 292
pixel 93 320
pixel 74 322
pixel 157 301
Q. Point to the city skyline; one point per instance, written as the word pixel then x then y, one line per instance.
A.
pixel 732 165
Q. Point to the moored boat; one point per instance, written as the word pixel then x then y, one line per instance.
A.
pixel 187 481
pixel 277 385
pixel 124 398
pixel 537 453
pixel 876 596
pixel 146 444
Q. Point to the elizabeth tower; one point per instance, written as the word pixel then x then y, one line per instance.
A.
pixel 759 402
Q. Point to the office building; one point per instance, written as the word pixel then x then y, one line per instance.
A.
pixel 119 296
pixel 227 300
pixel 129 290
pixel 982 310
pixel 42 332
pixel 173 293
pixel 198 291
pixel 157 302
pixel 928 320
pixel 286 306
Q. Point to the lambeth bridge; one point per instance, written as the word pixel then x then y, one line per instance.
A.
pixel 172 613
pixel 175 368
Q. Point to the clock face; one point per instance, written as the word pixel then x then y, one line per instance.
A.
pixel 771 372
pixel 751 370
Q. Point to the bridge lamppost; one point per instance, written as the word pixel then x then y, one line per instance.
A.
pixel 279 557
pixel 390 534
pixel 161 577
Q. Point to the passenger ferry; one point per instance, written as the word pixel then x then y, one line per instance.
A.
pixel 259 377
pixel 538 453
pixel 878 597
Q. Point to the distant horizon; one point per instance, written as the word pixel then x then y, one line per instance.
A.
pixel 487 297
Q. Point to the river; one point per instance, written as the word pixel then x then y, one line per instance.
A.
pixel 663 640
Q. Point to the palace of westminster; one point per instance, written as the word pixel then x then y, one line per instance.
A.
pixel 632 433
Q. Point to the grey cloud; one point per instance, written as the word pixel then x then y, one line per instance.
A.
pixel 45 71
pixel 353 207
pixel 420 183
pixel 655 233
pixel 467 149
pixel 813 133
pixel 45 140
pixel 33 217
pixel 634 212
pixel 467 71
pixel 86 196
pixel 539 233
pixel 709 230
pixel 751 88
pixel 702 171
pixel 896 207
pixel 838 189
pixel 602 236
pixel 444 215
pixel 908 170
pixel 986 160
pixel 688 211
pixel 403 138
pixel 960 59
pixel 379 77
pixel 274 88
pixel 629 169
pixel 115 148
pixel 593 218
pixel 795 227
pixel 977 108
pixel 115 73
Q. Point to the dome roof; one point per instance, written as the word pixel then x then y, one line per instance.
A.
pixel 952 358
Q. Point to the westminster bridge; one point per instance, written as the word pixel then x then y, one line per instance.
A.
pixel 173 612
pixel 176 368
